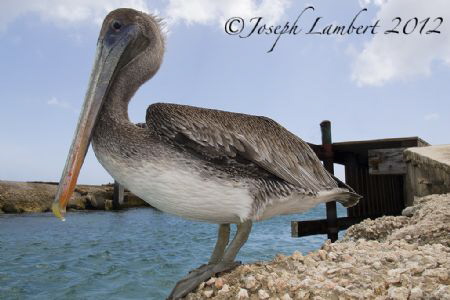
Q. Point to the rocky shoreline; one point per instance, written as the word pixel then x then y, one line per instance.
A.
pixel 27 197
pixel 404 257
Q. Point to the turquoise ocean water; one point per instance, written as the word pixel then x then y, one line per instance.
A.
pixel 131 254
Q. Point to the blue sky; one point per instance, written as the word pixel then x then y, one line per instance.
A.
pixel 369 86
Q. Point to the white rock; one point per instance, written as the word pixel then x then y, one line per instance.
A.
pixel 280 284
pixel 286 297
pixel 246 269
pixel 271 284
pixel 394 275
pixel 390 257
pixel 409 211
pixel 208 293
pixel 285 274
pixel 441 273
pixel 211 281
pixel 322 254
pixel 332 255
pixel 225 288
pixel 310 262
pixel 259 277
pixel 274 275
pixel 302 295
pixel 280 257
pixel 250 282
pixel 339 289
pixel 242 294
pixel 346 266
pixel 297 256
pixel 414 267
pixel 332 271
pixel 262 294
pixel 442 292
pixel 416 293
pixel 398 293
pixel 327 245
pixel 377 265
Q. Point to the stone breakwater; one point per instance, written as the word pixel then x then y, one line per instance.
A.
pixel 27 197
pixel 405 257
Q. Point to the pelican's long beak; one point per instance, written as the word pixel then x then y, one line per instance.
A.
pixel 107 62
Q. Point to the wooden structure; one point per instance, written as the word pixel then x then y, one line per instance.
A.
pixel 118 195
pixel 374 169
pixel 332 226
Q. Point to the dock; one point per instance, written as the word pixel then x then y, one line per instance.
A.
pixel 388 173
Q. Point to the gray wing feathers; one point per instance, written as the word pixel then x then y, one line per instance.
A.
pixel 258 139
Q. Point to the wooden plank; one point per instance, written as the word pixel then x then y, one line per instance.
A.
pixel 386 162
pixel 372 144
pixel 332 228
pixel 305 228
pixel 360 148
pixel 382 194
pixel 342 149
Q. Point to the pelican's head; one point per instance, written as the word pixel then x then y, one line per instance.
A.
pixel 130 47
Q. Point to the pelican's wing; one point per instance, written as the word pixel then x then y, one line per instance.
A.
pixel 258 139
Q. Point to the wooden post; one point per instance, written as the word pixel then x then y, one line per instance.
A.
pixel 118 195
pixel 328 163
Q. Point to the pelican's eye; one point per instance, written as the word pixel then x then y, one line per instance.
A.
pixel 116 25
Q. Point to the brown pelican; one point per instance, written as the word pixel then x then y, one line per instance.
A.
pixel 200 164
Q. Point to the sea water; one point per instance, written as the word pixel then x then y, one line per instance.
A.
pixel 130 254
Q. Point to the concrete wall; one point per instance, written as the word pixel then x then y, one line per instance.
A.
pixel 428 171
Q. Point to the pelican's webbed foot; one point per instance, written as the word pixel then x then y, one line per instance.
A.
pixel 197 276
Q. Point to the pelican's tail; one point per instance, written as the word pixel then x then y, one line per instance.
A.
pixel 342 195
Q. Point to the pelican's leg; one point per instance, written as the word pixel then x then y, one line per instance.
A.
pixel 220 261
pixel 184 286
pixel 223 237
pixel 227 263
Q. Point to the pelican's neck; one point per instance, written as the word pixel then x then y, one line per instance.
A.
pixel 114 129
pixel 113 122
pixel 115 108
pixel 114 135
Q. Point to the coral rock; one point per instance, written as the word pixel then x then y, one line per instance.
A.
pixel 242 294
pixel 262 294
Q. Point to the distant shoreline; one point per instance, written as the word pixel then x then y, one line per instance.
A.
pixel 37 196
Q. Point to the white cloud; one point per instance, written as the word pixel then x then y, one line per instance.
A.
pixel 76 12
pixel 60 103
pixel 397 56
pixel 207 11
pixel 64 12
pixel 365 3
pixel 431 117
